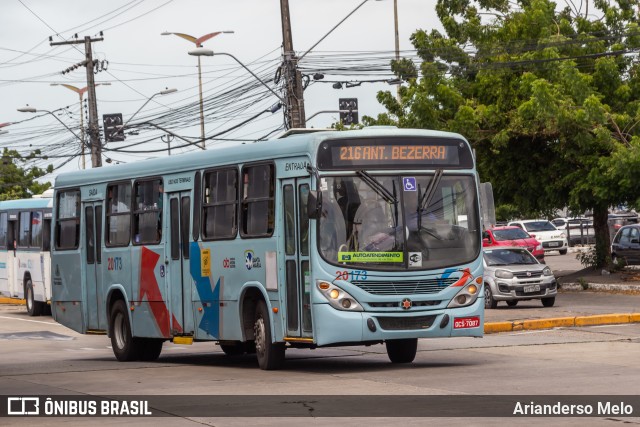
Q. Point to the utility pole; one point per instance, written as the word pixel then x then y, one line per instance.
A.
pixel 395 17
pixel 294 107
pixel 94 133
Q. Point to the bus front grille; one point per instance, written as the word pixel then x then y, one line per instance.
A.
pixel 405 323
pixel 409 287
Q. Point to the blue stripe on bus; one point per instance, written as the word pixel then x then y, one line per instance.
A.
pixel 210 322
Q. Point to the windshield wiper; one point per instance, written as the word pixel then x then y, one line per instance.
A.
pixel 426 198
pixel 378 187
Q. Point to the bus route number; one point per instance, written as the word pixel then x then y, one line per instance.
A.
pixel 114 263
pixel 355 275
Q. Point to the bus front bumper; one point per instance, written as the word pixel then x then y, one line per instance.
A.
pixel 339 326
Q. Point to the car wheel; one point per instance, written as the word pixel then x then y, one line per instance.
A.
pixel 402 351
pixel 489 302
pixel 563 251
pixel 34 308
pixel 548 302
pixel 270 355
pixel 512 303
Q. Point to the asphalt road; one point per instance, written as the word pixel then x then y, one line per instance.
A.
pixel 40 357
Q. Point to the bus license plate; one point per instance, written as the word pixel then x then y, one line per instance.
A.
pixel 466 322
pixel 531 288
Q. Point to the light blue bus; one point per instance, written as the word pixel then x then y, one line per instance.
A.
pixel 311 240
pixel 25 236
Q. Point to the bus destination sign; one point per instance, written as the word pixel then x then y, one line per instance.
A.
pixel 394 153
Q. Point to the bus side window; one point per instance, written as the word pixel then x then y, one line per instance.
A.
pixel 3 231
pixel 258 201
pixel 147 216
pixel 67 227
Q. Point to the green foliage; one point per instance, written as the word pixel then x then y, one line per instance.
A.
pixel 548 98
pixel 16 182
pixel 587 257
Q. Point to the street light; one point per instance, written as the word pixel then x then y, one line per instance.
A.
pixel 208 52
pixel 28 109
pixel 162 92
pixel 80 92
pixel 198 42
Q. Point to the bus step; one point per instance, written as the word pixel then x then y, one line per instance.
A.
pixel 186 340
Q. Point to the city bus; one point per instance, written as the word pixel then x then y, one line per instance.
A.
pixel 25 264
pixel 312 240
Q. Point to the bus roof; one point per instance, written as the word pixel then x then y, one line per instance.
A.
pixel 234 152
pixel 40 203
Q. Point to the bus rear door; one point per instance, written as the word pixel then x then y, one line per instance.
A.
pixel 179 278
pixel 92 248
pixel 296 244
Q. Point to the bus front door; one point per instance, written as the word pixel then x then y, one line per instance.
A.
pixel 92 248
pixel 12 260
pixel 179 278
pixel 297 298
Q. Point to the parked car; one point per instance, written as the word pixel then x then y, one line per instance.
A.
pixel 512 274
pixel 512 236
pixel 626 245
pixel 618 220
pixel 564 223
pixel 546 233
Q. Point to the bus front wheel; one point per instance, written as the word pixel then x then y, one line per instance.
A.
pixel 34 308
pixel 125 346
pixel 270 355
pixel 402 351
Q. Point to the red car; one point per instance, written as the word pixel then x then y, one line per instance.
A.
pixel 512 236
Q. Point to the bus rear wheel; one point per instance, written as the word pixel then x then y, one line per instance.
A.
pixel 402 351
pixel 150 349
pixel 125 347
pixel 34 308
pixel 270 355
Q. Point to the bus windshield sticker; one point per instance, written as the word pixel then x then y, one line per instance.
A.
pixel 323 184
pixel 370 257
pixel 415 259
pixel 409 183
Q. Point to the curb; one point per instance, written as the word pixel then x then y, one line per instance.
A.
pixel 13 301
pixel 600 287
pixel 561 322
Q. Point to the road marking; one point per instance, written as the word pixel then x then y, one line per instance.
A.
pixel 27 320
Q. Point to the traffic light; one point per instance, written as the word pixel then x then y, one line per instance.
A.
pixel 349 117
pixel 113 130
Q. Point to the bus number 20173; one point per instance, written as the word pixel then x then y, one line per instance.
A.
pixel 114 263
pixel 355 275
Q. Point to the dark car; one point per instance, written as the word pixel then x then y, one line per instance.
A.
pixel 626 245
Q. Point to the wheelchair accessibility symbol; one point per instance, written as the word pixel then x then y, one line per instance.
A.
pixel 409 183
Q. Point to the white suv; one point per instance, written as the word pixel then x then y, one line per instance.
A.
pixel 546 233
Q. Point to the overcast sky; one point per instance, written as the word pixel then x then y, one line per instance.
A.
pixel 142 62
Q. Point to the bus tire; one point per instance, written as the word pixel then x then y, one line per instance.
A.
pixel 237 348
pixel 34 308
pixel 270 355
pixel 150 349
pixel 402 351
pixel 125 347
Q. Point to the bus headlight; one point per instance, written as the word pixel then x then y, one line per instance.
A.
pixel 467 296
pixel 338 298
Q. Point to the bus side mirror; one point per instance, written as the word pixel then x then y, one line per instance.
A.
pixel 314 204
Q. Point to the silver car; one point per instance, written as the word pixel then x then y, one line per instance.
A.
pixel 512 274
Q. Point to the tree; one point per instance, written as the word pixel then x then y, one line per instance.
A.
pixel 549 98
pixel 16 182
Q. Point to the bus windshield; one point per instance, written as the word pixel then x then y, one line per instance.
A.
pixel 388 222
